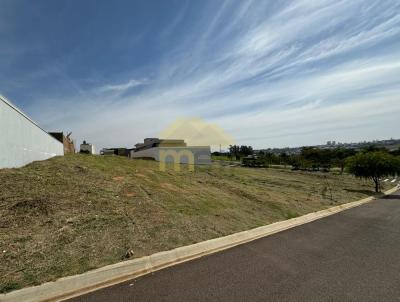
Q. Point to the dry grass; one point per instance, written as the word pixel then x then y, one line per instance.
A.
pixel 71 214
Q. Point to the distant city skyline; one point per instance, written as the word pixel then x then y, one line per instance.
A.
pixel 336 145
pixel 270 73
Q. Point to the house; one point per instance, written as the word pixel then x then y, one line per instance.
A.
pixel 156 142
pixel 106 152
pixel 172 151
pixel 23 141
pixel 87 148
pixel 115 151
pixel 69 145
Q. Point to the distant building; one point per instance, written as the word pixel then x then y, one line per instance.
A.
pixel 22 141
pixel 172 151
pixel 115 151
pixel 69 146
pixel 87 148
pixel 156 142
pixel 106 152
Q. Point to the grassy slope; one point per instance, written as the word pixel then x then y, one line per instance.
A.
pixel 70 214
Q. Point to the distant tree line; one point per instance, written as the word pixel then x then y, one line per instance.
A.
pixel 236 152
pixel 372 162
pixel 309 159
pixel 315 159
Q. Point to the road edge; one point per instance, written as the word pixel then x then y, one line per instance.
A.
pixel 72 286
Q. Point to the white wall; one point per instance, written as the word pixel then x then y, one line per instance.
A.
pixel 21 140
pixel 146 153
pixel 202 154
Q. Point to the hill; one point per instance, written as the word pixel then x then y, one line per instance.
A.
pixel 74 213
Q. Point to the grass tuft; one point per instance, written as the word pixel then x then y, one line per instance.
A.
pixel 74 213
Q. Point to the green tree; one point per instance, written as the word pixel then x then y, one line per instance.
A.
pixel 340 155
pixel 246 150
pixel 234 151
pixel 283 158
pixel 316 158
pixel 373 165
pixel 270 158
pixel 240 151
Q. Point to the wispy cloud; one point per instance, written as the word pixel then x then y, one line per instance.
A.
pixel 270 73
pixel 123 87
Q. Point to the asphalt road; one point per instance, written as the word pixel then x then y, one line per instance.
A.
pixel 350 256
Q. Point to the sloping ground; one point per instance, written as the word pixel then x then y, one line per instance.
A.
pixel 71 214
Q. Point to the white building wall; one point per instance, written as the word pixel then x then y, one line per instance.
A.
pixel 201 154
pixel 147 153
pixel 21 140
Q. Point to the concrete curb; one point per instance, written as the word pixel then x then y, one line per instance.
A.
pixel 72 286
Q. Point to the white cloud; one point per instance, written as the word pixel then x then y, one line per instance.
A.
pixel 120 88
pixel 298 76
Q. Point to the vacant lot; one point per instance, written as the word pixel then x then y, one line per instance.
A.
pixel 71 214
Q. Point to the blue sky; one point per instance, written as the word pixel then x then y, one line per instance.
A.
pixel 271 73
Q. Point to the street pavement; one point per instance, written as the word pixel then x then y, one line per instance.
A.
pixel 350 256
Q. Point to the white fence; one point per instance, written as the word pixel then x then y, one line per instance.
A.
pixel 22 141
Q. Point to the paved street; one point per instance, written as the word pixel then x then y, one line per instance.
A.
pixel 350 256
